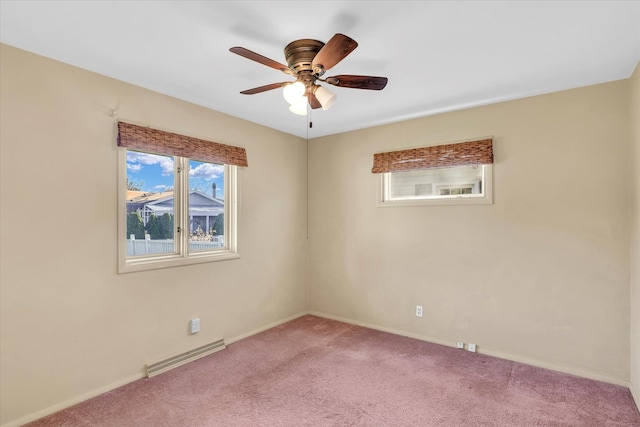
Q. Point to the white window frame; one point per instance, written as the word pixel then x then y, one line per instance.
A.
pixel 384 200
pixel 181 256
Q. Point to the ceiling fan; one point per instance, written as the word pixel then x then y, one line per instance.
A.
pixel 307 61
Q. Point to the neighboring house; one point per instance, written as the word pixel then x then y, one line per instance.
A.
pixel 203 209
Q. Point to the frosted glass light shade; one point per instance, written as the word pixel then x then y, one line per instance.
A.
pixel 293 92
pixel 325 97
pixel 300 107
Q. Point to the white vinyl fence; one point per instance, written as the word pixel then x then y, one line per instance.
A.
pixel 151 247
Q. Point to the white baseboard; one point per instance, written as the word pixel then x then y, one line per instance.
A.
pixel 507 356
pixel 67 403
pixel 384 329
pixel 635 393
pixel 264 328
pixel 571 370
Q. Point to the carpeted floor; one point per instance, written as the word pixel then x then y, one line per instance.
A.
pixel 319 372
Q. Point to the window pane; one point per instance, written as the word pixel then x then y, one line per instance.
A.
pixel 459 181
pixel 150 207
pixel 206 206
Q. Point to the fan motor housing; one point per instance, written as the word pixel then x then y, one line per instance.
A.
pixel 300 54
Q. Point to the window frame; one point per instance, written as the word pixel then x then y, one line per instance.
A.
pixel 383 199
pixel 181 256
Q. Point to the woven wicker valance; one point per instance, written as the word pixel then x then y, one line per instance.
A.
pixel 167 143
pixel 438 156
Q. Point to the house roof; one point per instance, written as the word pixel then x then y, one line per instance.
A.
pixel 193 210
pixel 200 204
pixel 145 196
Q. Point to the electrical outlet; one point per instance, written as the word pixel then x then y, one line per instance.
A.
pixel 419 310
pixel 471 347
pixel 460 344
pixel 194 326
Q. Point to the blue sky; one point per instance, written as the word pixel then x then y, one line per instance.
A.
pixel 155 173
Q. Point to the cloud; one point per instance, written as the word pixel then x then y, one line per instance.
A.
pixel 134 167
pixel 206 171
pixel 161 188
pixel 137 159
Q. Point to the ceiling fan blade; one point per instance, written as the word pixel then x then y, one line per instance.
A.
pixel 263 88
pixel 336 49
pixel 358 82
pixel 313 101
pixel 261 59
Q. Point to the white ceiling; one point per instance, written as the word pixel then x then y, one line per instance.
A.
pixel 438 55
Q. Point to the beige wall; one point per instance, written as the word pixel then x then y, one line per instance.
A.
pixel 634 114
pixel 540 276
pixel 70 325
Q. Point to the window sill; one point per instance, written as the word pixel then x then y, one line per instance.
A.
pixel 144 264
pixel 452 201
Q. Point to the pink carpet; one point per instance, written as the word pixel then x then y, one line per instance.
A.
pixel 318 372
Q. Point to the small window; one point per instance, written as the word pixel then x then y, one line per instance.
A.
pixel 468 184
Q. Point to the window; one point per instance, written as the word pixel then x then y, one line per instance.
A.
pixel 174 210
pixel 440 186
pixel 459 173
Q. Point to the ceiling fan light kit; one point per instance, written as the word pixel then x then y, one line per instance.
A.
pixel 307 61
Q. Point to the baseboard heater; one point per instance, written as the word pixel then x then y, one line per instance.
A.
pixel 182 358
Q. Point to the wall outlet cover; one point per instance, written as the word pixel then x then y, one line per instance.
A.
pixel 194 326
pixel 471 347
pixel 460 344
